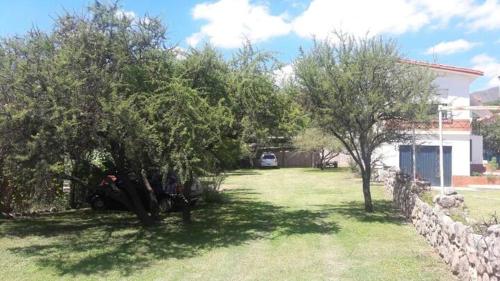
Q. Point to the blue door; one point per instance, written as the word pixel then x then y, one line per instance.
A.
pixel 427 163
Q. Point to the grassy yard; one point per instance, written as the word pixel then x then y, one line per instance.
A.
pixel 287 224
pixel 482 203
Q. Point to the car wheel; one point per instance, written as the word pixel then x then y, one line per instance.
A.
pixel 165 205
pixel 98 204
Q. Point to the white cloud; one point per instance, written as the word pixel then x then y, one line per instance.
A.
pixel 180 53
pixel 394 17
pixel 490 66
pixel 451 47
pixel 284 74
pixel 125 14
pixel 230 22
pixel 444 10
pixel 359 17
pixel 485 16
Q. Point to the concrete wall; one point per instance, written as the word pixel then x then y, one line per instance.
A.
pixel 470 256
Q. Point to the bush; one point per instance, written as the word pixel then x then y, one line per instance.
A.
pixel 493 163
pixel 427 197
pixel 353 167
pixel 212 192
pixel 482 227
pixel 213 196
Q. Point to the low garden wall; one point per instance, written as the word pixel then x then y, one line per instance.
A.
pixel 464 181
pixel 471 256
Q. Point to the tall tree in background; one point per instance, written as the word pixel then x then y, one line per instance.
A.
pixel 490 130
pixel 358 90
pixel 315 140
pixel 261 109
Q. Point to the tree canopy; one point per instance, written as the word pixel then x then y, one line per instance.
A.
pixel 359 90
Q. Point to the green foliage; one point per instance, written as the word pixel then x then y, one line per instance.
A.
pixel 490 130
pixel 493 163
pixel 427 197
pixel 103 93
pixel 315 140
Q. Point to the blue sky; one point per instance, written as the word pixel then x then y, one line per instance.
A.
pixel 458 32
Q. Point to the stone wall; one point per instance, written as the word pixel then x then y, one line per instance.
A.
pixel 471 256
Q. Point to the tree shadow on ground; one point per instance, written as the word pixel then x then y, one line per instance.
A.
pixel 327 170
pixel 244 173
pixel 384 211
pixel 88 243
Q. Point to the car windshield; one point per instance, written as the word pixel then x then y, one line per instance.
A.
pixel 268 156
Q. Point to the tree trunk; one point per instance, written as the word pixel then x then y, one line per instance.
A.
pixel 5 196
pixel 321 163
pixel 136 205
pixel 153 202
pixel 73 204
pixel 366 174
pixel 186 210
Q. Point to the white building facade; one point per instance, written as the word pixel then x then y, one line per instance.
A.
pixel 462 150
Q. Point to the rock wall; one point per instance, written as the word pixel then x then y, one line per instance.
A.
pixel 471 256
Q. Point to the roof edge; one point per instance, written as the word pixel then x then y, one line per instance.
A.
pixel 444 67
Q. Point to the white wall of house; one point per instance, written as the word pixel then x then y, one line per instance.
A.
pixel 454 90
pixel 388 154
pixel 477 149
pixel 457 84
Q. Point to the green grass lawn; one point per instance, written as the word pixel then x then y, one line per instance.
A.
pixel 286 224
pixel 481 204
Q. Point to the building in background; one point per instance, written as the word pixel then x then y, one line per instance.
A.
pixel 463 151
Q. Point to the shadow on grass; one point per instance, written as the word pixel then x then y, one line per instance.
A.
pixel 328 170
pixel 87 243
pixel 244 173
pixel 384 212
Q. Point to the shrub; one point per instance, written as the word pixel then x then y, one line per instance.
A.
pixel 212 192
pixel 353 167
pixel 213 196
pixel 493 163
pixel 427 197
pixel 482 227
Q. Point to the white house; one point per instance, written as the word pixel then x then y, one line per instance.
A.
pixel 463 151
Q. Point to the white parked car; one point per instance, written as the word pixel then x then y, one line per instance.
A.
pixel 268 159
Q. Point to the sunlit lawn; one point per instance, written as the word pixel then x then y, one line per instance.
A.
pixel 481 204
pixel 286 224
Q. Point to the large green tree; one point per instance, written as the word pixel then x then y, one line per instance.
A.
pixel 360 91
pixel 102 84
pixel 105 93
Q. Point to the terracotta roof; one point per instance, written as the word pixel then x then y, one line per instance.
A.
pixel 445 67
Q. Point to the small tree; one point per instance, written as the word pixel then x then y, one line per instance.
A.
pixel 359 91
pixel 490 130
pixel 317 141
